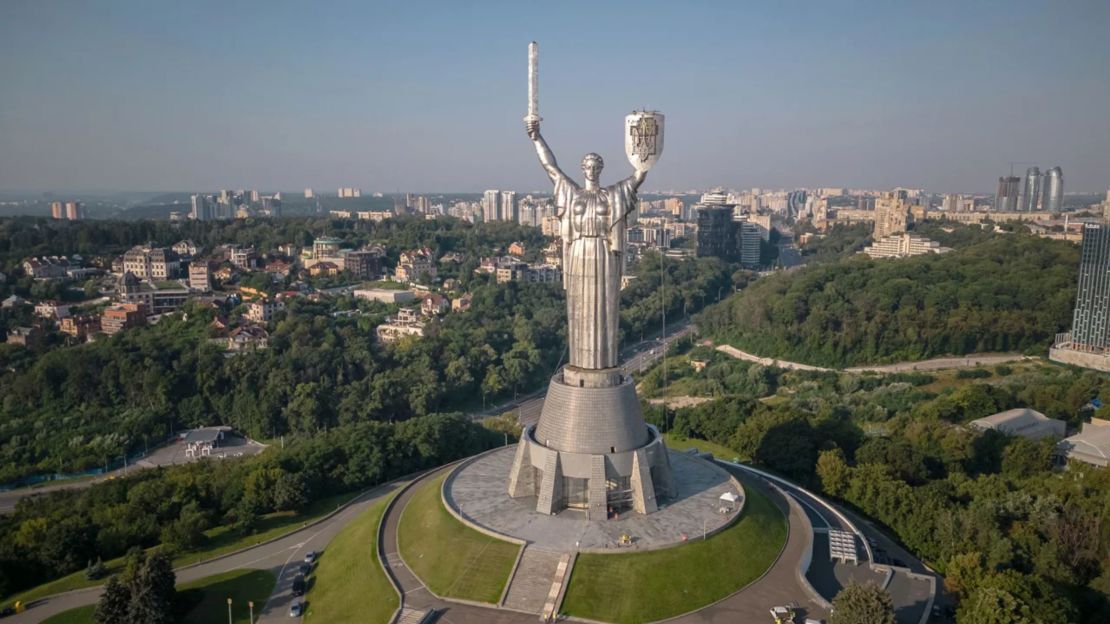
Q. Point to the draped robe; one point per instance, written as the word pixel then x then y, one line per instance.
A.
pixel 593 226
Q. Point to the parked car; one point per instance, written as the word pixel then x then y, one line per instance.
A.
pixel 310 556
pixel 296 609
pixel 305 569
pixel 298 585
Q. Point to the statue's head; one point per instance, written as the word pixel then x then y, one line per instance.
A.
pixel 592 164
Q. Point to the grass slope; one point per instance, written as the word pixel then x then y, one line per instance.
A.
pixel 349 584
pixel 676 580
pixel 208 597
pixel 221 540
pixel 451 558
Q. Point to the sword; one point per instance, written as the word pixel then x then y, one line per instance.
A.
pixel 533 82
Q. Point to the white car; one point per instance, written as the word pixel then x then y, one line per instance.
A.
pixel 296 609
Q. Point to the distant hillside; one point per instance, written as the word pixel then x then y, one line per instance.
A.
pixel 1008 293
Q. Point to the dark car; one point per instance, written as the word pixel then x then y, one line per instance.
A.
pixel 298 585
pixel 305 568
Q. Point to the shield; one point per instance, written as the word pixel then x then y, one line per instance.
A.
pixel 643 138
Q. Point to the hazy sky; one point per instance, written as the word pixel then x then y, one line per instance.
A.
pixel 428 96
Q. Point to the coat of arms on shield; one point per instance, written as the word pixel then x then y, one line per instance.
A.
pixel 643 138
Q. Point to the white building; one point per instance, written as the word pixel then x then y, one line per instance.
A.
pixel 1091 445
pixel 903 245
pixel 1023 422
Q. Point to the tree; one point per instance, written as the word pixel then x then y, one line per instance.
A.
pixel 114 604
pixel 993 605
pixel 833 472
pixel 153 595
pixel 863 604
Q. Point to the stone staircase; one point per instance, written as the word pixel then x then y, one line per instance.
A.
pixel 531 583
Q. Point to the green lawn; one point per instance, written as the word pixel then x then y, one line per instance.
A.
pixel 208 597
pixel 676 580
pixel 681 444
pixel 221 540
pixel 348 584
pixel 451 558
pixel 80 615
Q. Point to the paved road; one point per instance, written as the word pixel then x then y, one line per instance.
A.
pixel 281 557
pixel 966 361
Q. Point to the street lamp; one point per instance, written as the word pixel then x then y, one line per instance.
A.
pixel 719 293
pixel 229 611
pixel 250 604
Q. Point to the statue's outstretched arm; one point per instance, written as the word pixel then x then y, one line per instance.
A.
pixel 547 157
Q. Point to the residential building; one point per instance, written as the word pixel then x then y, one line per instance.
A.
pixel 29 337
pixel 248 338
pixel 491 205
pixel 406 323
pixel 203 209
pixel 508 206
pixel 434 304
pixel 308 194
pixel 185 248
pixel 151 263
pixel 365 264
pixel 46 267
pixel 1091 319
pixel 1031 190
pixel 1052 193
pixel 375 215
pixel 1006 199
pixel 511 270
pixel 263 310
pixel 156 298
pixel 1022 422
pixel 516 249
pixel 384 295
pixel 892 214
pixel 242 257
pixel 903 245
pixel 200 276
pixel 57 210
pixel 80 326
pixel 118 318
pixel 750 238
pixel 75 211
pixel 415 265
pixel 324 268
pixel 51 309
pixel 717 235
pixel 348 192
pixel 462 303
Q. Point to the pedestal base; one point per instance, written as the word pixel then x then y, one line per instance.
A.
pixel 600 484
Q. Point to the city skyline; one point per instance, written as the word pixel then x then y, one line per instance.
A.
pixel 395 98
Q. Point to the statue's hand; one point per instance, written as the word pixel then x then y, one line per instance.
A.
pixel 532 127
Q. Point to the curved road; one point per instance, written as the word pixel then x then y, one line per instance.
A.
pixel 282 557
pixel 779 586
pixel 965 361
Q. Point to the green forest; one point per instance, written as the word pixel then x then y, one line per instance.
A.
pixel 1004 292
pixel 1014 536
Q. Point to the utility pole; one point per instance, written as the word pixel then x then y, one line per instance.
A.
pixel 251 605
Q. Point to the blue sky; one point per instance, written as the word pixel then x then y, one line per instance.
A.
pixel 428 96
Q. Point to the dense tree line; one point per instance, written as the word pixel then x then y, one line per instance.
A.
pixel 1007 293
pixel 1011 534
pixel 61 532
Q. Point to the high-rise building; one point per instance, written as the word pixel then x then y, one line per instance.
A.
pixel 57 210
pixel 1031 190
pixel 308 194
pixel 202 210
pixel 74 211
pixel 1052 197
pixel 750 237
pixel 716 231
pixel 1006 200
pixel 508 206
pixel 1091 322
pixel 892 214
pixel 491 205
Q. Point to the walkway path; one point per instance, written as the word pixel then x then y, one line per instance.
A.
pixel 532 579
pixel 966 361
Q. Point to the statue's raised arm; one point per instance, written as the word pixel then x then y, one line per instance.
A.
pixel 547 157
